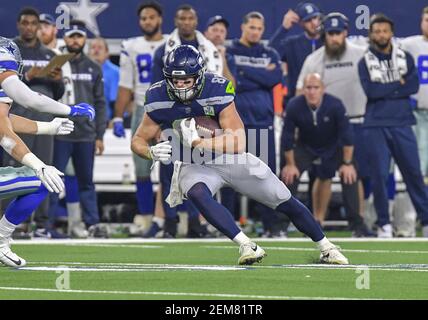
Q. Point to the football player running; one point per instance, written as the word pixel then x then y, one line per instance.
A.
pixel 30 184
pixel 188 91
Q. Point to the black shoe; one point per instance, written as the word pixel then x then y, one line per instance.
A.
pixel 363 232
pixel 197 230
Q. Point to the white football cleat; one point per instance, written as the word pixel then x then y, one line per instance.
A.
pixel 250 253
pixel 10 259
pixel 385 231
pixel 332 255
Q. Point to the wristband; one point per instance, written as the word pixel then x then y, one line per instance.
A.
pixel 43 127
pixel 30 160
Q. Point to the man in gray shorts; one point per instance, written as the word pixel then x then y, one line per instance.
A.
pixel 203 165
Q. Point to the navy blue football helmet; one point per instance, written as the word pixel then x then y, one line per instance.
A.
pixel 184 61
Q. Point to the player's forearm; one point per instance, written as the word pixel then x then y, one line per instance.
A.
pixel 229 142
pixel 22 94
pixel 124 97
pixel 10 141
pixel 23 125
pixel 140 147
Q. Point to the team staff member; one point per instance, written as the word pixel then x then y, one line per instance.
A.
pixel 257 70
pixel 87 138
pixel 337 63
pixel 293 49
pixel 136 61
pixel 388 76
pixel 325 142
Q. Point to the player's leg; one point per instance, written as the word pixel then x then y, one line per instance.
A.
pixel 29 192
pixel 405 155
pixel 256 180
pixel 143 182
pixel 201 194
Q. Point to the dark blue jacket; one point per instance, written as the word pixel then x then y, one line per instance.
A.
pixel 321 131
pixel 254 82
pixel 293 49
pixel 388 104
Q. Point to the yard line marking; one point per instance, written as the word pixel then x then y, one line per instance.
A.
pixel 385 267
pixel 189 294
pixel 214 240
pixel 314 249
pixel 95 266
pixel 120 268
pixel 138 246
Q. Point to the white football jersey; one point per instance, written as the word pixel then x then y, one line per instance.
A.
pixel 417 46
pixel 340 77
pixel 10 60
pixel 136 58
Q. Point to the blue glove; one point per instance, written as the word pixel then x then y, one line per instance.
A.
pixel 118 129
pixel 83 109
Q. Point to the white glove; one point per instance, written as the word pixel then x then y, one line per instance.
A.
pixel 161 151
pixel 51 178
pixel 190 134
pixel 58 126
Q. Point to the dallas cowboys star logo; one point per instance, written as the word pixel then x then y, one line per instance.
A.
pixel 87 11
pixel 11 49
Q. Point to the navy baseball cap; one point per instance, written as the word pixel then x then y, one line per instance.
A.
pixel 47 18
pixel 216 19
pixel 307 11
pixel 335 21
pixel 75 28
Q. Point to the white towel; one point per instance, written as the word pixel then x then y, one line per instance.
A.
pixel 386 75
pixel 68 97
pixel 208 50
pixel 175 196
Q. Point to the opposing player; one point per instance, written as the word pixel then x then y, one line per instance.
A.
pixel 188 91
pixel 135 76
pixel 30 184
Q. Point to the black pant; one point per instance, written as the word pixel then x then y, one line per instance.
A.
pixel 305 160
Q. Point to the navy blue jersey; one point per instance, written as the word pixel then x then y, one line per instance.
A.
pixel 293 49
pixel 216 94
pixel 388 104
pixel 321 131
pixel 254 81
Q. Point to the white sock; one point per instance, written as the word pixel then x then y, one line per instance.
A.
pixel 6 228
pixel 324 243
pixel 241 238
pixel 159 221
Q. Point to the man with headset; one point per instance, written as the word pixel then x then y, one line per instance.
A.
pixel 337 63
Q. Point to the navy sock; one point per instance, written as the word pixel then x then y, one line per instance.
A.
pixel 213 211
pixel 23 206
pixel 301 218
pixel 71 189
pixel 145 197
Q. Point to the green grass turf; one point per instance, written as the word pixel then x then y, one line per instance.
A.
pixel 267 280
